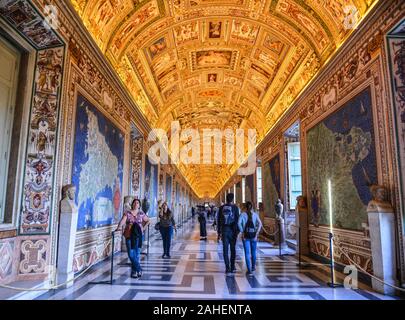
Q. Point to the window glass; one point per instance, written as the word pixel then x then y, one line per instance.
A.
pixel 294 170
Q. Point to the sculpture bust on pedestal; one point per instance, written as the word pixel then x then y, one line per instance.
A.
pixel 68 205
pixel 67 235
pixel 279 207
pixel 301 222
pixel 379 202
pixel 381 220
pixel 280 239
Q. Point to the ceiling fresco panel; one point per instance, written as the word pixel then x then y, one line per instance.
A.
pixel 217 64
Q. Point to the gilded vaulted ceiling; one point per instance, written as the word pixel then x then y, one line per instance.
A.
pixel 218 63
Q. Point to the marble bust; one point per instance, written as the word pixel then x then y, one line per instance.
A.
pixel 279 207
pixel 379 202
pixel 301 203
pixel 68 204
pixel 128 203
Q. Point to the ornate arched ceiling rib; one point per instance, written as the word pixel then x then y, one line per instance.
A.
pixel 217 63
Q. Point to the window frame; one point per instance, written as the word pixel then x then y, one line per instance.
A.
pixel 290 176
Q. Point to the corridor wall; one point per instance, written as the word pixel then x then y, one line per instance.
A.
pixel 347 135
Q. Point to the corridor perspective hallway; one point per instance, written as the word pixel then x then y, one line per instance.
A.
pixel 283 119
pixel 196 272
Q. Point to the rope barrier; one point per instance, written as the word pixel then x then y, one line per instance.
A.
pixel 59 285
pixel 338 245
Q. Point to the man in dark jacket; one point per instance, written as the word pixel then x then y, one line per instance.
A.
pixel 228 231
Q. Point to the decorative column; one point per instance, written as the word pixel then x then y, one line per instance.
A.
pixel 67 235
pixel 381 220
pixel 301 221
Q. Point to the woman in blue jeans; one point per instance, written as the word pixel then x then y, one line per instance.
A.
pixel 167 225
pixel 250 226
pixel 135 222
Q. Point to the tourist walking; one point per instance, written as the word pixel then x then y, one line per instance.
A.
pixel 202 219
pixel 135 222
pixel 250 226
pixel 166 226
pixel 228 231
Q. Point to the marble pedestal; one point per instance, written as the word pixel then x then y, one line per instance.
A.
pixel 280 240
pixel 66 245
pixel 301 221
pixel 383 247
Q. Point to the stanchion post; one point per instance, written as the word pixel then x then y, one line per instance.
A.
pixel 332 284
pixel 147 248
pixel 279 237
pixel 112 257
pixel 111 281
pixel 299 246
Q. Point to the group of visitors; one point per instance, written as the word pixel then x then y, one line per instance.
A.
pixel 229 223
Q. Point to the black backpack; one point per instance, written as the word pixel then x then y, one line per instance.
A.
pixel 228 215
pixel 250 230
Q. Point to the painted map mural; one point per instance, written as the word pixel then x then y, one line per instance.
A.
pixel 177 193
pixel 342 148
pixel 397 59
pixel 238 195
pixel 97 167
pixel 271 185
pixel 169 182
pixel 249 188
pixel 151 186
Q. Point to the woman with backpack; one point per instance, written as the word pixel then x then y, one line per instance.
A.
pixel 135 222
pixel 250 226
pixel 166 226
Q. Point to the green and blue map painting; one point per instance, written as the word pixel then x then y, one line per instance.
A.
pixel 341 148
pixel 97 167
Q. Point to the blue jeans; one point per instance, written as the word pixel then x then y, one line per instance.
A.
pixel 229 238
pixel 250 247
pixel 134 255
pixel 167 233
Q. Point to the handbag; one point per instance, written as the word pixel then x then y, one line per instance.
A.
pixel 157 226
pixel 128 230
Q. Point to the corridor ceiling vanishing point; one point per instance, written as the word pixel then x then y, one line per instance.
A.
pixel 217 63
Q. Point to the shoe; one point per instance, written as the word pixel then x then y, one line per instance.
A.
pixel 164 256
pixel 134 275
pixel 139 274
pixel 168 257
pixel 249 274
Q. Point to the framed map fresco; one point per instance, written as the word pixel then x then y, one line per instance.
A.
pixel 249 189
pixel 151 186
pixel 271 185
pixel 177 193
pixel 169 187
pixel 341 148
pixel 97 167
pixel 396 47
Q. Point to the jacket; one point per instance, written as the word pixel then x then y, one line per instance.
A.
pixel 243 219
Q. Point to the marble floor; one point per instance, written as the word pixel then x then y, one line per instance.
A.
pixel 196 271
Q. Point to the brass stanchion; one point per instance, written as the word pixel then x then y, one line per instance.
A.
pixel 111 281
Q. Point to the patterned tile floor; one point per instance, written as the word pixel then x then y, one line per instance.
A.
pixel 196 271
